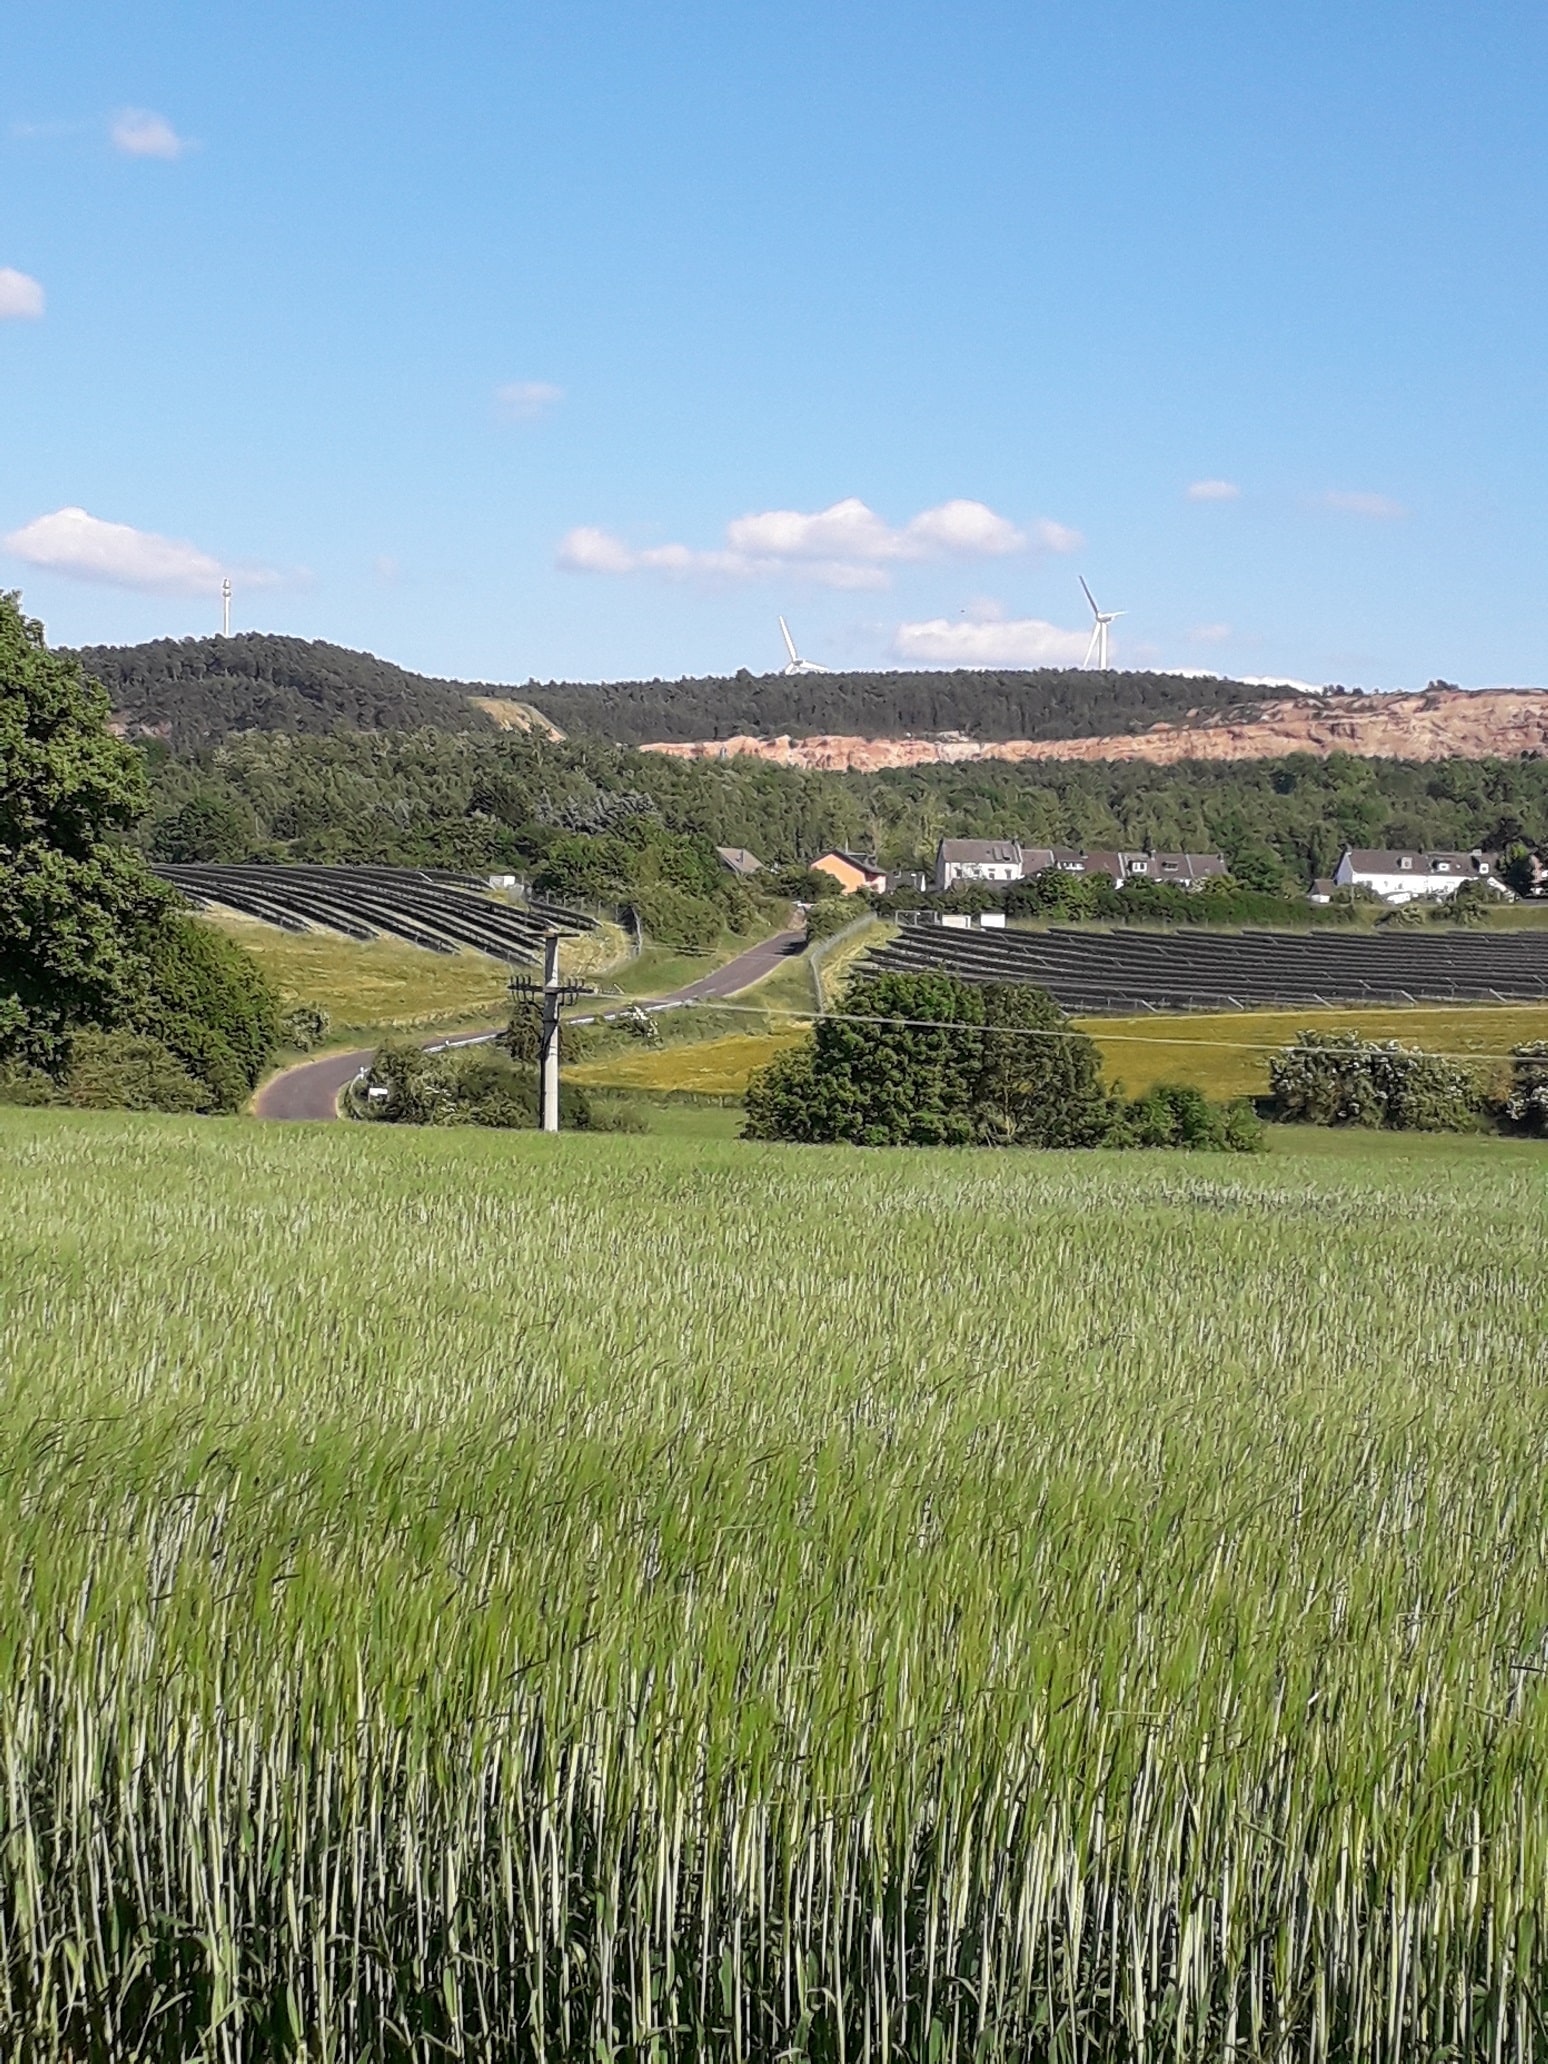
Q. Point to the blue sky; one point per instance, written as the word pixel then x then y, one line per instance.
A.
pixel 520 342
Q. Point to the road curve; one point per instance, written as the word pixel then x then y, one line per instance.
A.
pixel 311 1089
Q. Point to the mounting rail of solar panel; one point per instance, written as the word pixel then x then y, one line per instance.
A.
pixel 1125 972
pixel 442 912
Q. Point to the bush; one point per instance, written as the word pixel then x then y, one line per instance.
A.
pixel 468 1085
pixel 1338 1078
pixel 834 914
pixel 20 1084
pixel 672 917
pixel 304 1026
pixel 1175 1114
pixel 130 1071
pixel 1526 1103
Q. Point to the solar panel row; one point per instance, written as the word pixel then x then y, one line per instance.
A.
pixel 441 912
pixel 1136 971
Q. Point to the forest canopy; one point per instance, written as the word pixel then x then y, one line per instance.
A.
pixel 193 691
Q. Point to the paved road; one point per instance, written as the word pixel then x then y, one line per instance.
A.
pixel 747 968
pixel 311 1090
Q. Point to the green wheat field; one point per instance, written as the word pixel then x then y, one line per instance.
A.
pixel 470 1595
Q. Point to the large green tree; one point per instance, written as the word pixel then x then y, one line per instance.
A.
pixel 89 938
pixel 74 900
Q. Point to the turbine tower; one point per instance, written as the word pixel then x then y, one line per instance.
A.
pixel 225 607
pixel 1101 619
pixel 798 665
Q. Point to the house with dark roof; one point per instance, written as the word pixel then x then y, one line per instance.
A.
pixel 977 860
pixel 1402 877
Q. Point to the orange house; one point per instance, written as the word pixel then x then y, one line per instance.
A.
pixel 850 871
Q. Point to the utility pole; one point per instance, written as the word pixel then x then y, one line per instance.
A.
pixel 553 994
pixel 225 607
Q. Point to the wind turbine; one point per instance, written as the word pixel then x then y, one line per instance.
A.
pixel 1102 618
pixel 798 665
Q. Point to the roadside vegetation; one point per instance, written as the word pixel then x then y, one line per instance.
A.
pixel 910 1605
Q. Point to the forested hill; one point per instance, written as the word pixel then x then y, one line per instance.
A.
pixel 193 691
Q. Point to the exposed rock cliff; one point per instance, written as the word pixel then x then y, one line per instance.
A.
pixel 1441 723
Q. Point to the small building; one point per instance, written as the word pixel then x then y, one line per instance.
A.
pixel 852 871
pixel 1174 870
pixel 977 860
pixel 1404 877
pixel 739 860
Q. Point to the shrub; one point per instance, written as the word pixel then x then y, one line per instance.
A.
pixel 1338 1078
pixel 20 1084
pixel 1175 1114
pixel 1526 1102
pixel 470 1085
pixel 130 1071
pixel 834 914
pixel 304 1026
pixel 672 917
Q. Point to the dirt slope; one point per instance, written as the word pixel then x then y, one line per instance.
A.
pixel 1441 723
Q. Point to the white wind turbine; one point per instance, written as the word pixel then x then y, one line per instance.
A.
pixel 1102 618
pixel 798 665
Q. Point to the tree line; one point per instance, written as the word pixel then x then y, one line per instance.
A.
pixel 486 801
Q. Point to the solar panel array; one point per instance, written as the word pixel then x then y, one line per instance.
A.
pixel 1128 972
pixel 442 912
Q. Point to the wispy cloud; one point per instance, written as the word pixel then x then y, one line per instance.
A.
pixel 84 547
pixel 524 401
pixel 1210 633
pixel 1025 641
pixel 1214 491
pixel 1379 508
pixel 845 546
pixel 21 296
pixel 141 133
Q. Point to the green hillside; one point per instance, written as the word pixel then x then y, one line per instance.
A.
pixel 192 691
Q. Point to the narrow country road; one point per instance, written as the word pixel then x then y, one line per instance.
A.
pixel 311 1089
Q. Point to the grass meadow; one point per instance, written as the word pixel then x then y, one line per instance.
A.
pixel 475 1595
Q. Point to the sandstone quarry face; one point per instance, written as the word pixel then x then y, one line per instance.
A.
pixel 1439 724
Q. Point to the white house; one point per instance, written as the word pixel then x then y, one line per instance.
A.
pixel 1402 877
pixel 977 860
pixel 1174 870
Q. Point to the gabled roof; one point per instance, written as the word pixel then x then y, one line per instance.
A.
pixel 739 860
pixel 1374 860
pixel 855 860
pixel 982 851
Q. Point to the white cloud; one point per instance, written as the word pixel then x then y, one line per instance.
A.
pixel 21 296
pixel 1214 491
pixel 845 546
pixel 140 133
pixel 83 547
pixel 1379 507
pixel 524 401
pixel 1015 642
pixel 1210 633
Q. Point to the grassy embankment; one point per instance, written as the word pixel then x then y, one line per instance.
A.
pixel 1114 1631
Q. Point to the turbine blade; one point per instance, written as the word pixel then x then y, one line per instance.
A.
pixel 1089 596
pixel 789 641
